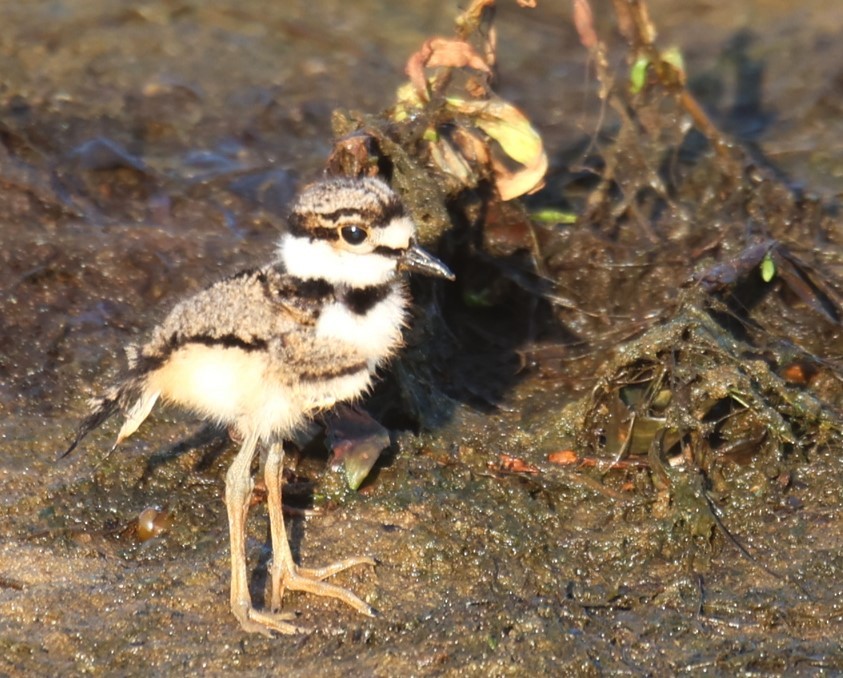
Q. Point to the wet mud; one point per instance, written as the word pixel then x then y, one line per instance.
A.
pixel 616 440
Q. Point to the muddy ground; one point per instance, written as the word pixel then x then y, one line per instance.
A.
pixel 149 149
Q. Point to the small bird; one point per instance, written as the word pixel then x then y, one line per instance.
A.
pixel 265 350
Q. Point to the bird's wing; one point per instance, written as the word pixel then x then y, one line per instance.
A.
pixel 264 309
pixel 239 311
pixel 255 309
pixel 247 310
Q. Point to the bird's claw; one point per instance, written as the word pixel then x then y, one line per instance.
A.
pixel 266 623
pixel 309 580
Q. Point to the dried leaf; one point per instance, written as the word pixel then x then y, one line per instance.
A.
pixel 453 54
pixel 446 158
pixel 674 57
pixel 514 184
pixel 584 23
pixel 510 464
pixel 563 457
pixel 442 52
pixel 626 24
pixel 646 28
pixel 507 125
pixel 469 20
pixel 798 373
pixel 471 146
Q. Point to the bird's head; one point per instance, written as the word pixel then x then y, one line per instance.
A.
pixel 353 232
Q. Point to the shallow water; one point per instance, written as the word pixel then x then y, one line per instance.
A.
pixel 146 151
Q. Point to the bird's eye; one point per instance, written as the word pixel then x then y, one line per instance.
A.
pixel 353 235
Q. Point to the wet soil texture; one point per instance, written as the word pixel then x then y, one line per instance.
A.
pixel 615 440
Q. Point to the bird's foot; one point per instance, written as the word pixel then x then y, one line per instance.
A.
pixel 265 623
pixel 310 580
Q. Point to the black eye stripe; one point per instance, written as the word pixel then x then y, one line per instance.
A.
pixel 299 226
pixel 388 251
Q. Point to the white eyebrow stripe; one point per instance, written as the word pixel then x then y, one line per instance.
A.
pixel 396 235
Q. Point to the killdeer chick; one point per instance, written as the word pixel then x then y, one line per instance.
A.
pixel 266 349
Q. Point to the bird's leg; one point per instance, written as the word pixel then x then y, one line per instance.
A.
pixel 238 490
pixel 285 574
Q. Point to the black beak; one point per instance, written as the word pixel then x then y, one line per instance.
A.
pixel 417 260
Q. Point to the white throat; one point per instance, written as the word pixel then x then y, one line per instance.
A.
pixel 309 259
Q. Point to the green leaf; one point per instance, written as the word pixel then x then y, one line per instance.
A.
pixel 768 268
pixel 552 216
pixel 638 74
pixel 479 298
pixel 430 134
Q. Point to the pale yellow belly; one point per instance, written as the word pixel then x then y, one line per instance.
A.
pixel 229 385
pixel 233 386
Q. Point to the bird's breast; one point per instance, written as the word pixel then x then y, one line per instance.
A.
pixel 375 334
